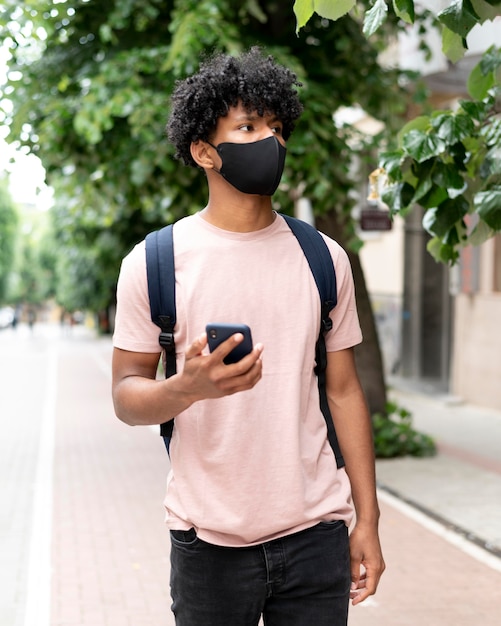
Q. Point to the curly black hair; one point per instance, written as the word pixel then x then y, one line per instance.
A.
pixel 223 81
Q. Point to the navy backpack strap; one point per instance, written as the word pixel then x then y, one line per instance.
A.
pixel 162 294
pixel 320 261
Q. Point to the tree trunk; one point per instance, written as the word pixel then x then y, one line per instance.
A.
pixel 368 354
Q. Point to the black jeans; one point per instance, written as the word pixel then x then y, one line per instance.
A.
pixel 299 580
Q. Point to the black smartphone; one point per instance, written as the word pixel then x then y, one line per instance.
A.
pixel 217 333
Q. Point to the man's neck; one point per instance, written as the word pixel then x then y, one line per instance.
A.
pixel 239 212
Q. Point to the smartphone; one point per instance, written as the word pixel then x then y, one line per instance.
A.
pixel 217 333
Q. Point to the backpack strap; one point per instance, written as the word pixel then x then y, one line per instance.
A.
pixel 162 294
pixel 320 261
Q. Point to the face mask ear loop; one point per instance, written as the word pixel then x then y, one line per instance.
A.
pixel 215 148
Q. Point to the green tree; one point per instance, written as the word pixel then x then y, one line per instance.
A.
pixel 33 271
pixel 8 233
pixel 85 266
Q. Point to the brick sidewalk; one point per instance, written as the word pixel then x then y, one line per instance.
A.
pixel 428 581
pixel 110 546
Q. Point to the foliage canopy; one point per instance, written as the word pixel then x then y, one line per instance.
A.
pixel 449 162
pixel 90 86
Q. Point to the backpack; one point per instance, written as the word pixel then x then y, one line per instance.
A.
pixel 162 294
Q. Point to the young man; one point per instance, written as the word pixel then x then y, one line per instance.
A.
pixel 257 508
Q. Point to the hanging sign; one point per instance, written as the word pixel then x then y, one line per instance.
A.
pixel 375 219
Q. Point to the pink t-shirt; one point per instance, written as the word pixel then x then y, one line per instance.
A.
pixel 256 465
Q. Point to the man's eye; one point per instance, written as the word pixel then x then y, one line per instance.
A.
pixel 277 130
pixel 246 127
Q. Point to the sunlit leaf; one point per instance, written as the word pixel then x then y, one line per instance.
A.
pixel 333 9
pixel 452 45
pixel 303 10
pixel 374 17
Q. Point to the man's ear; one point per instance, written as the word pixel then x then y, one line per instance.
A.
pixel 201 153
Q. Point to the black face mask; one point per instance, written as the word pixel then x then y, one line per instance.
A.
pixel 255 168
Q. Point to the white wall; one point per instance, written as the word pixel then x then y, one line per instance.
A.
pixel 382 257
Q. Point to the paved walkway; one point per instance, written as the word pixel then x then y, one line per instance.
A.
pixel 439 572
pixel 82 536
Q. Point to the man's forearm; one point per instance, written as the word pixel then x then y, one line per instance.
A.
pixel 141 401
pixel 354 432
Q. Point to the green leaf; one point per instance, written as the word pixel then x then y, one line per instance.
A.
pixel 488 206
pixel 303 10
pixel 453 127
pixel 404 9
pixel 446 175
pixel 479 83
pixel 491 60
pixel 398 197
pixel 422 146
pixel 391 162
pixel 333 9
pixel 452 45
pixel 391 196
pixel 422 189
pixel 433 197
pixel 485 9
pixel 441 252
pixel 480 234
pixel 493 160
pixel 374 17
pixel 492 132
pixel 475 110
pixel 418 123
pixel 460 17
pixel 442 219
pixel 406 195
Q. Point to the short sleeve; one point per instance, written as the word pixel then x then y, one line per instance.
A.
pixel 134 330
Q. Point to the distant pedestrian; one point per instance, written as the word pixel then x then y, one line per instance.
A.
pixel 257 508
pixel 32 317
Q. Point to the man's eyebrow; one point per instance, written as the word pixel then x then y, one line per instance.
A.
pixel 251 117
pixel 246 117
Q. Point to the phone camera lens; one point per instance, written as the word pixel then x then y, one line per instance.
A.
pixel 213 333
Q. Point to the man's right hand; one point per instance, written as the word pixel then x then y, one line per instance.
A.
pixel 207 376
